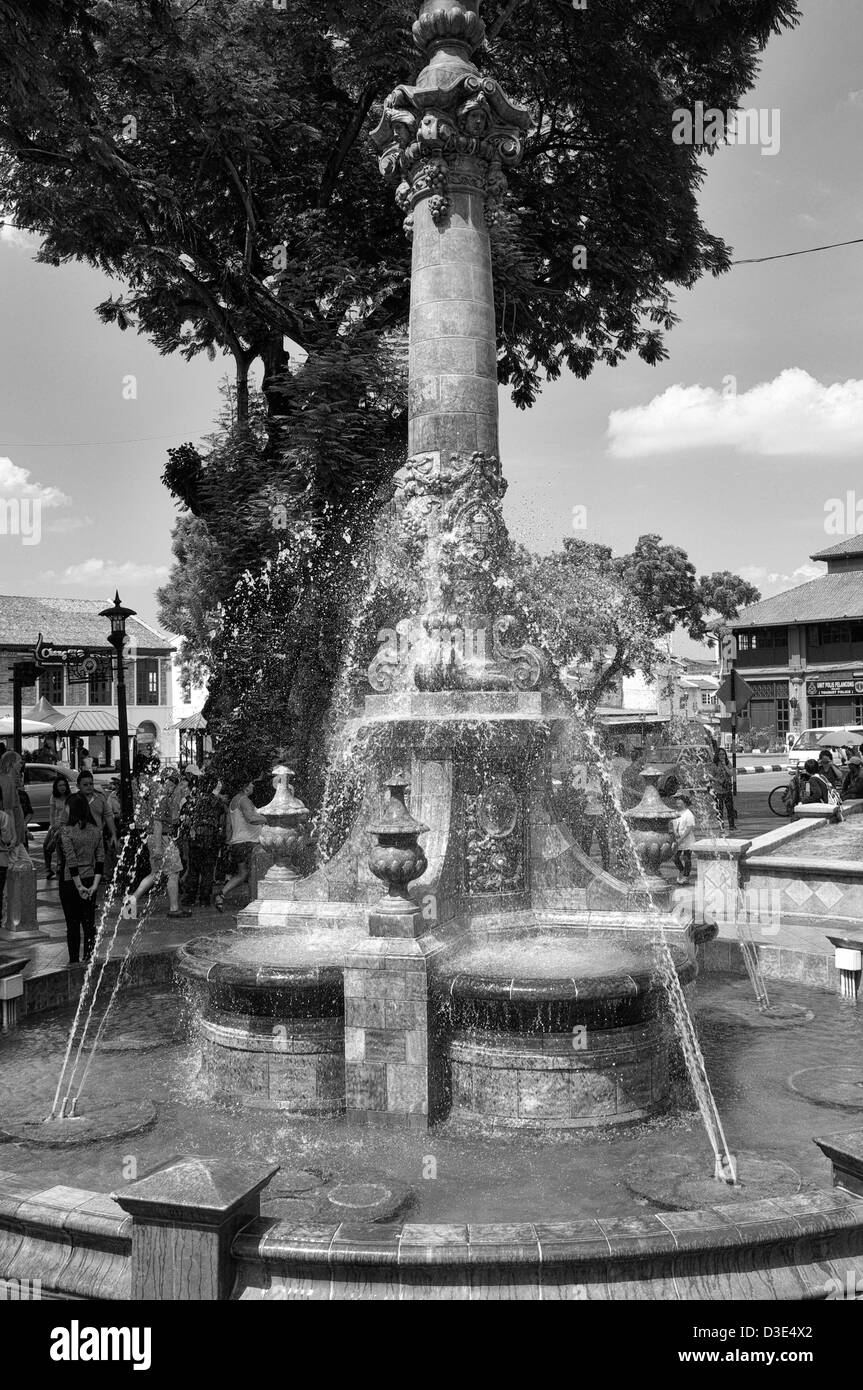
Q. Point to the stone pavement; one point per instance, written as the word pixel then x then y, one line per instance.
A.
pixel 159 934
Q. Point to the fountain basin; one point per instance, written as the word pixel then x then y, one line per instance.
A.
pixel 271 1021
pixel 12 965
pixel 555 1031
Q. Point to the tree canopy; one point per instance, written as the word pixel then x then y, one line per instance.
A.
pixel 599 617
pixel 213 157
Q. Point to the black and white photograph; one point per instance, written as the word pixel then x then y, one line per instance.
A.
pixel 431 670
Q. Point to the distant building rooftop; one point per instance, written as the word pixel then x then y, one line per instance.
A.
pixel 852 546
pixel 71 622
pixel 829 598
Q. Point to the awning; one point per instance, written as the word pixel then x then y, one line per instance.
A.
pixel 44 711
pixel 88 721
pixel 28 726
pixel 191 723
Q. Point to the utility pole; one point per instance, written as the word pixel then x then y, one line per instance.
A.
pixel 24 673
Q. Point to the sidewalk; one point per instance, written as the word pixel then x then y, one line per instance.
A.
pixel 159 933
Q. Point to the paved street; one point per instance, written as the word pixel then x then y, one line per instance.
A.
pixel 754 816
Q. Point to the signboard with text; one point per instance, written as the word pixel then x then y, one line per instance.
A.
pixel 83 664
pixel 839 685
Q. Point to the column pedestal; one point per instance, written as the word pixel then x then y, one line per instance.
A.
pixel 389 1038
pixel 186 1216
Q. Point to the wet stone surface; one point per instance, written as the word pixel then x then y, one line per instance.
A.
pixel 831 1086
pixel 675 1184
pixel 477 1174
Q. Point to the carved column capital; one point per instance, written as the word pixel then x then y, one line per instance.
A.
pixel 451 24
pixel 455 128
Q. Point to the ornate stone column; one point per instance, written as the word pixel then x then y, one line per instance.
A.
pixel 447 141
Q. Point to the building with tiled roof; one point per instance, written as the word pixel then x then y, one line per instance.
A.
pixel 802 650
pixel 70 622
pixel 75 622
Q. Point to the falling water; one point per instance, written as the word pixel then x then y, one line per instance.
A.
pixel 708 808
pixel 342 748
pixel 69 1098
pixel 681 1018
pixel 94 961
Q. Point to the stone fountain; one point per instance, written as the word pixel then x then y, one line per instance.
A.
pixel 480 986
pixel 382 993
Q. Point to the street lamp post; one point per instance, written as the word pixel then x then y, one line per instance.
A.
pixel 118 616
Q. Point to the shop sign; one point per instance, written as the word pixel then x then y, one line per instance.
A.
pixel 823 687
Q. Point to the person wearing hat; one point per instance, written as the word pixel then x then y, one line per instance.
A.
pixel 852 786
pixel 683 831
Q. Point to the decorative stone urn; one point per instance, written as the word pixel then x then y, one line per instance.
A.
pixel 285 834
pixel 651 830
pixel 396 859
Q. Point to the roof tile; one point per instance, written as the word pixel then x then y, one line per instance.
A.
pixel 831 597
pixel 68 621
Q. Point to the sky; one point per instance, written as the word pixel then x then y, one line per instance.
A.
pixel 734 448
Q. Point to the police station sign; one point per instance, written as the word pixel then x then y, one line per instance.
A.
pixel 840 684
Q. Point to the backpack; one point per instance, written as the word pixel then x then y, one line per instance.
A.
pixel 833 798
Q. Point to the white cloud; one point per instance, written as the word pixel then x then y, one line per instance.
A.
pixel 64 524
pixel 15 482
pixel 10 235
pixel 792 415
pixel 95 573
pixel 771 582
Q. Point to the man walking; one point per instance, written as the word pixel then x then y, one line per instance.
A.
pixel 206 835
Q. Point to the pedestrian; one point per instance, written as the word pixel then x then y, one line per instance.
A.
pixel 852 786
pixel 58 811
pixel 83 862
pixel 683 830
pixel 631 781
pixel 115 805
pixel 723 787
pixel 100 807
pixel 170 801
pixel 164 867
pixel 817 787
pixel 245 823
pixel 206 814
pixel 13 828
pixel 827 768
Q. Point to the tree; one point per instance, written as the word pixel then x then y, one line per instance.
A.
pixel 213 156
pixel 726 593
pixel 598 617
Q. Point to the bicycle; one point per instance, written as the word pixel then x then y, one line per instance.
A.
pixel 782 800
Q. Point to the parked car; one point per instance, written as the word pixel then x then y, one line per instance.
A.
pixel 813 741
pixel 39 779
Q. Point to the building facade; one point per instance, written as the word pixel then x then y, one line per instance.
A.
pixel 74 623
pixel 801 651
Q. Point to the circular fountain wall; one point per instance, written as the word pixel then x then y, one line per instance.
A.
pixel 271 1024
pixel 556 1031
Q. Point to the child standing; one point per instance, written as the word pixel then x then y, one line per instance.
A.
pixel 683 830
